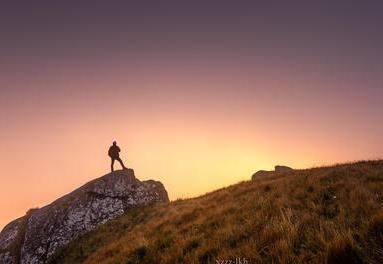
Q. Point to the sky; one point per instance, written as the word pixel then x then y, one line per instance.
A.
pixel 198 94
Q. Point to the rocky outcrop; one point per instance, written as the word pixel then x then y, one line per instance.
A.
pixel 282 169
pixel 279 169
pixel 262 173
pixel 49 228
pixel 9 233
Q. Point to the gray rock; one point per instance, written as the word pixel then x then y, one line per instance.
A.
pixel 278 170
pixel 282 169
pixel 6 258
pixel 9 234
pixel 55 225
pixel 261 174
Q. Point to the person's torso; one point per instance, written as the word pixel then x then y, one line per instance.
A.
pixel 114 151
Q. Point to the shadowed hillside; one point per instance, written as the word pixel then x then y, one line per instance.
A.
pixel 321 215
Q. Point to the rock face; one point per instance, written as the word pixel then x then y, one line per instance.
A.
pixel 279 169
pixel 36 236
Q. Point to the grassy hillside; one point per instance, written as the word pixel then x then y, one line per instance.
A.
pixel 321 215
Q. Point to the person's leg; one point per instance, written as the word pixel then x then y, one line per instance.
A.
pixel 111 166
pixel 122 164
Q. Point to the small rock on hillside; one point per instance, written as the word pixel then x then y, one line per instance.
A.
pixel 279 169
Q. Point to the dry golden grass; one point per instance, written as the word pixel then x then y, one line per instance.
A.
pixel 320 215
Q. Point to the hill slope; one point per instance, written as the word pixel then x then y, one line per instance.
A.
pixel 320 215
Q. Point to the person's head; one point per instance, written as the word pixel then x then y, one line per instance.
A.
pixel 114 143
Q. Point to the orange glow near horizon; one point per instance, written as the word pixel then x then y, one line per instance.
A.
pixel 190 150
pixel 198 94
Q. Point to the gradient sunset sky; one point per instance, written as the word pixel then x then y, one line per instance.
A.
pixel 198 94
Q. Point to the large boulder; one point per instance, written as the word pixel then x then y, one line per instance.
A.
pixel 282 169
pixel 279 169
pixel 35 237
pixel 261 174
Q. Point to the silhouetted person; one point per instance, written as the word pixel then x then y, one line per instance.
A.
pixel 114 154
